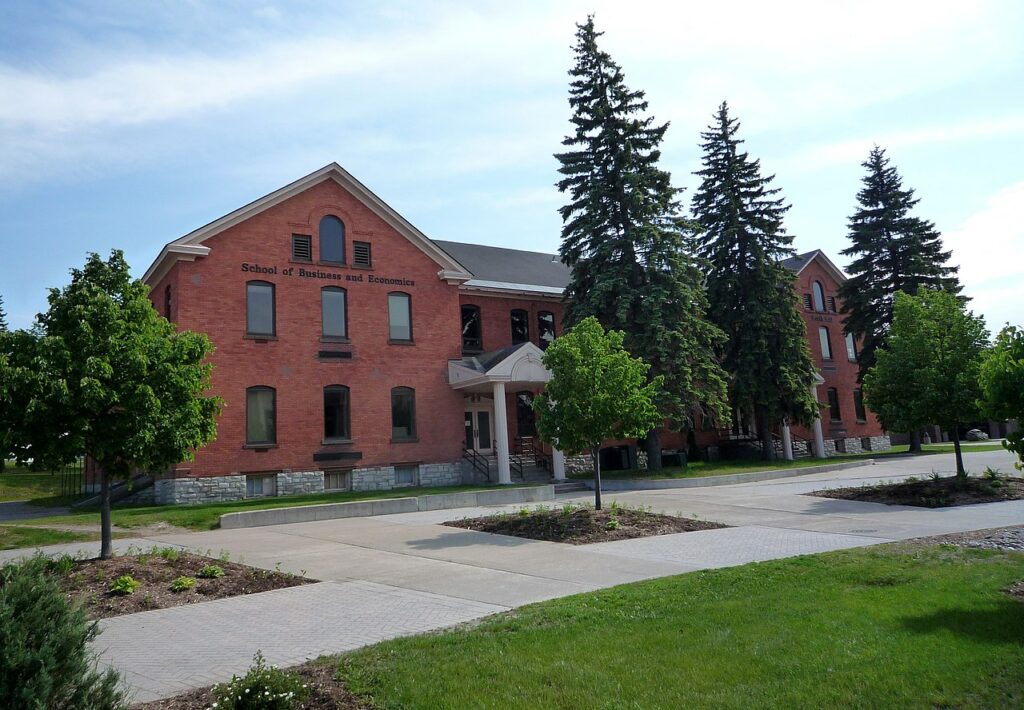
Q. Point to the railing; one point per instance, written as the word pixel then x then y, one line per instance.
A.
pixel 480 463
pixel 515 464
pixel 72 483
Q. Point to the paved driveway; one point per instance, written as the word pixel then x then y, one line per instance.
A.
pixel 391 575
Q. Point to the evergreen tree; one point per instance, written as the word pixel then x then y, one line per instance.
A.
pixel 892 251
pixel 751 294
pixel 625 241
pixel 3 316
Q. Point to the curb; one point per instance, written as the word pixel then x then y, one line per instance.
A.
pixel 384 506
pixel 725 480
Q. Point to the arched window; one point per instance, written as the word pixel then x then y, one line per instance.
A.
pixel 834 414
pixel 520 326
pixel 472 330
pixel 259 308
pixel 399 317
pixel 334 312
pixel 526 425
pixel 403 414
pixel 336 414
pixel 826 343
pixel 819 296
pixel 260 416
pixel 545 328
pixel 851 348
pixel 332 240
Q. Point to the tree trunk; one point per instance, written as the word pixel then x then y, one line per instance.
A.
pixel 595 452
pixel 764 433
pixel 961 472
pixel 653 445
pixel 915 442
pixel 106 544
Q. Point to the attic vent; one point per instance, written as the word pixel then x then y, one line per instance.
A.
pixel 361 254
pixel 302 247
pixel 807 301
pixel 831 304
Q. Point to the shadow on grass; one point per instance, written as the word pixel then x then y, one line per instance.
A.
pixel 1002 624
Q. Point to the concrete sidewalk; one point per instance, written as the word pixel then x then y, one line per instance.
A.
pixel 396 574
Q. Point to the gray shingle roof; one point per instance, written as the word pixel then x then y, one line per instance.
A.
pixel 795 263
pixel 511 266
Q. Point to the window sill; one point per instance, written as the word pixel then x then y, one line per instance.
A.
pixel 300 261
pixel 400 342
pixel 363 267
pixel 333 442
pixel 259 447
pixel 414 440
pixel 862 421
pixel 335 339
pixel 335 264
pixel 259 338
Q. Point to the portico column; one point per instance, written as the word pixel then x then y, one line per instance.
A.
pixel 558 464
pixel 787 442
pixel 501 432
pixel 819 438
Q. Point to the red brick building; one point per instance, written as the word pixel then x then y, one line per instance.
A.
pixel 354 352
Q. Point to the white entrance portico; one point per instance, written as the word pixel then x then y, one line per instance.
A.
pixel 485 379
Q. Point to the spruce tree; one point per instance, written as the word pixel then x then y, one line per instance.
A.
pixel 625 240
pixel 892 251
pixel 3 316
pixel 751 294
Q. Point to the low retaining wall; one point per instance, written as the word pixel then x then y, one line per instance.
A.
pixel 386 506
pixel 642 484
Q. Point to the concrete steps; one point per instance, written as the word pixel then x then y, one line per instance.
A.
pixel 570 487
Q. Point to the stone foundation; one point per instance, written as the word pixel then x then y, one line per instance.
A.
pixel 440 474
pixel 172 491
pixel 581 463
pixel 300 482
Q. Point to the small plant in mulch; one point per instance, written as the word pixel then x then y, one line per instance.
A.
pixel 182 584
pixel 582 524
pixel 124 585
pixel 210 572
pixel 263 687
pixel 936 491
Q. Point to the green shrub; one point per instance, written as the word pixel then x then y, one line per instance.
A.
pixel 125 584
pixel 210 572
pixel 181 584
pixel 171 554
pixel 263 687
pixel 44 658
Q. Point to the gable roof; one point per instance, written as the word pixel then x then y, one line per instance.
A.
pixel 497 268
pixel 798 263
pixel 191 246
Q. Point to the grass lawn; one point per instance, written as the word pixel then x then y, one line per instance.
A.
pixel 13 537
pixel 890 626
pixel 207 516
pixel 17 483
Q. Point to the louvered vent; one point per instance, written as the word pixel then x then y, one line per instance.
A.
pixel 832 304
pixel 807 301
pixel 302 247
pixel 361 254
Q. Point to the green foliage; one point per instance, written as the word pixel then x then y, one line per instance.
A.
pixel 44 657
pixel 104 375
pixel 3 316
pixel 182 584
pixel 891 251
pixel 263 687
pixel 929 372
pixel 1002 385
pixel 171 554
pixel 210 572
pixel 626 242
pixel 124 585
pixel 751 294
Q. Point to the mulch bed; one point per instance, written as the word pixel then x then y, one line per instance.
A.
pixel 581 525
pixel 90 580
pixel 932 493
pixel 324 692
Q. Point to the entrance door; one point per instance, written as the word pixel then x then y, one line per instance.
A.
pixel 479 436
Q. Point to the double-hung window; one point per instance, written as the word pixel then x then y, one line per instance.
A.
pixel 336 414
pixel 334 312
pixel 260 416
pixel 259 309
pixel 403 414
pixel 399 317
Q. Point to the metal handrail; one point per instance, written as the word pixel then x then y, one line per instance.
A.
pixel 480 463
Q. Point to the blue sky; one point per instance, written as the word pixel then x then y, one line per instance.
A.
pixel 129 124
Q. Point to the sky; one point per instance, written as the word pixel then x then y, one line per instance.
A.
pixel 126 124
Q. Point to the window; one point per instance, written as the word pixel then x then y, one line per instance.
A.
pixel 826 343
pixel 259 308
pixel 858 406
pixel 406 475
pixel 302 247
pixel 520 326
pixel 472 336
pixel 332 240
pixel 403 414
pixel 167 302
pixel 361 254
pixel 834 414
pixel 545 328
pixel 333 312
pixel 831 304
pixel 526 425
pixel 336 414
pixel 258 485
pixel 819 296
pixel 339 480
pixel 260 416
pixel 851 348
pixel 807 301
pixel 400 316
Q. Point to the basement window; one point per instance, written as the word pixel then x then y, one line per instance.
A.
pixel 260 485
pixel 407 475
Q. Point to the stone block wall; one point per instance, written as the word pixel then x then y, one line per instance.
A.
pixel 581 463
pixel 377 478
pixel 440 474
pixel 198 490
pixel 300 482
pixel 879 443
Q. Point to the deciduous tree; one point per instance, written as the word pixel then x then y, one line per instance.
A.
pixel 597 391
pixel 1002 385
